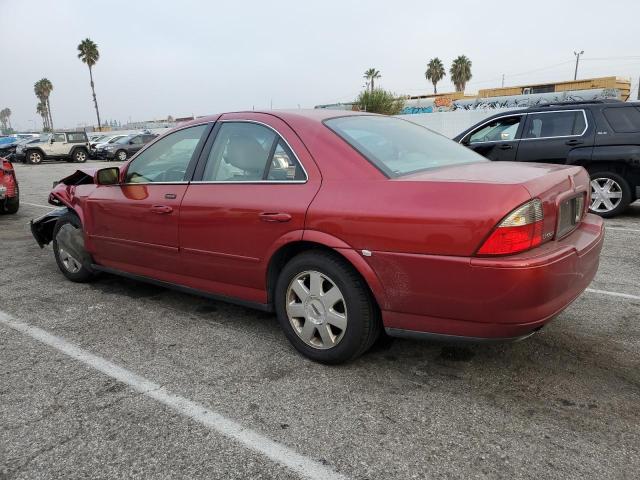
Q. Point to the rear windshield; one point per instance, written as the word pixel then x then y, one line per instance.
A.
pixel 399 147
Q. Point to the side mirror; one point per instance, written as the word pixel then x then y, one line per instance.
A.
pixel 51 140
pixel 107 176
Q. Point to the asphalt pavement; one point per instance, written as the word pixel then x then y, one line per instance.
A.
pixel 119 379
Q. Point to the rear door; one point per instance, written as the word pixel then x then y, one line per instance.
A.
pixel 496 139
pixel 133 226
pixel 550 137
pixel 250 194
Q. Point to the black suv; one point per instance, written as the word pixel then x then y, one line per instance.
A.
pixel 125 147
pixel 601 136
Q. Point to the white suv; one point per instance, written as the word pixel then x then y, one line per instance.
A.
pixel 69 146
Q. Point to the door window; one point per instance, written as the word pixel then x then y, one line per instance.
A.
pixel 167 159
pixel 249 152
pixel 499 130
pixel 136 141
pixel 624 119
pixel 556 124
pixel 59 137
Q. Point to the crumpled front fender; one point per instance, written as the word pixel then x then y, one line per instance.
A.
pixel 42 227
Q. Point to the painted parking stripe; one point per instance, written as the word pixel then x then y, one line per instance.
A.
pixel 614 294
pixel 50 207
pixel 304 466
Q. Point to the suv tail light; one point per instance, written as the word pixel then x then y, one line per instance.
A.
pixel 517 232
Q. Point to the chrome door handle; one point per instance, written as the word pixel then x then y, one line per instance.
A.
pixel 161 209
pixel 274 217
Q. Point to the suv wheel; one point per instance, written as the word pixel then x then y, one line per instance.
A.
pixel 68 248
pixel 325 308
pixel 121 155
pixel 80 155
pixel 34 157
pixel 610 194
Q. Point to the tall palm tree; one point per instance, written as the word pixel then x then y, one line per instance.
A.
pixel 46 88
pixel 3 118
pixel 89 54
pixel 460 72
pixel 372 75
pixel 435 72
pixel 40 89
pixel 41 110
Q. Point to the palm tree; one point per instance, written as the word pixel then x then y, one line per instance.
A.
pixel 89 54
pixel 40 89
pixel 435 72
pixel 41 110
pixel 5 120
pixel 46 87
pixel 371 75
pixel 460 72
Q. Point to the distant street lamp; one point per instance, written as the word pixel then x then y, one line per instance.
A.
pixel 577 54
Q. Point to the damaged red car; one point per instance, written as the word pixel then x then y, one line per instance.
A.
pixel 345 224
pixel 9 192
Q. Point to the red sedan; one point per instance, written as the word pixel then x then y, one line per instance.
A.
pixel 342 223
pixel 9 194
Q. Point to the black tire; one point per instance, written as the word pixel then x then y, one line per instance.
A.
pixel 73 245
pixel 622 186
pixel 363 321
pixel 80 155
pixel 33 157
pixel 121 155
pixel 10 205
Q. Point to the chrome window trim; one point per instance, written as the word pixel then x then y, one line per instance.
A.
pixel 586 124
pixel 492 120
pixel 257 122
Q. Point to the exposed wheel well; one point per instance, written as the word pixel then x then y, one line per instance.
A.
pixel 290 250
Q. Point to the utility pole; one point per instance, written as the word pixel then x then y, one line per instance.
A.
pixel 577 54
pixel 503 80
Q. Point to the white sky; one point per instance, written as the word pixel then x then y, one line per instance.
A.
pixel 184 57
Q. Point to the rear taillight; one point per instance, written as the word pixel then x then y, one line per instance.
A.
pixel 519 231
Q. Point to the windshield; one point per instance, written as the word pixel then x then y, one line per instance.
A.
pixel 399 147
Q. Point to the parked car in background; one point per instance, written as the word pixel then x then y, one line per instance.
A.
pixel 125 147
pixel 601 136
pixel 9 192
pixel 10 152
pixel 343 223
pixel 102 142
pixel 69 146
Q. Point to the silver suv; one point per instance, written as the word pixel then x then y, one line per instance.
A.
pixel 69 146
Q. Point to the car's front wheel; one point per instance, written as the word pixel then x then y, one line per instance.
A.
pixel 80 155
pixel 121 155
pixel 610 194
pixel 68 248
pixel 34 157
pixel 325 308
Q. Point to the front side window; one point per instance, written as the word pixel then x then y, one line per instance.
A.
pixel 499 130
pixel 399 147
pixel 59 137
pixel 624 119
pixel 249 152
pixel 555 124
pixel 167 159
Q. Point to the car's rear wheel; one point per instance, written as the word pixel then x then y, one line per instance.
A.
pixel 610 194
pixel 121 155
pixel 34 157
pixel 80 155
pixel 68 248
pixel 325 308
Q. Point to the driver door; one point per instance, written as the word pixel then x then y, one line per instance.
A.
pixel 55 145
pixel 133 226
pixel 497 139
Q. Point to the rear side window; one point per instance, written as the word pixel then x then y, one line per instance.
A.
pixel 624 119
pixel 555 124
pixel 76 137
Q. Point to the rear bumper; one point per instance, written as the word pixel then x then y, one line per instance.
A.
pixel 488 298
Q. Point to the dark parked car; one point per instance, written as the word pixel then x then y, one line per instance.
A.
pixel 342 223
pixel 124 147
pixel 601 136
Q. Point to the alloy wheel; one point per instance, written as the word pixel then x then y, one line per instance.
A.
pixel 122 155
pixel 35 157
pixel 316 309
pixel 606 195
pixel 63 240
pixel 81 157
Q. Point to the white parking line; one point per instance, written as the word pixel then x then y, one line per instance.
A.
pixel 614 294
pixel 305 467
pixel 50 207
